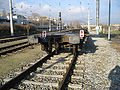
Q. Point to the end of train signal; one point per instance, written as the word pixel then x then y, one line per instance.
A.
pixel 44 36
pixel 81 34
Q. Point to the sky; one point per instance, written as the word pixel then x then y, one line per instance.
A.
pixel 72 10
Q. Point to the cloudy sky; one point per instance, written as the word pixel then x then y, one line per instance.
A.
pixel 72 10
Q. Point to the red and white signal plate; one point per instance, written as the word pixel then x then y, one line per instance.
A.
pixel 44 34
pixel 81 33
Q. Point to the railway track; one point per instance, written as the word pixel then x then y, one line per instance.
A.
pixel 57 72
pixel 51 72
pixel 5 40
pixel 13 46
pixel 78 79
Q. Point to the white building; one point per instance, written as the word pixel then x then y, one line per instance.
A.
pixel 19 19
pixel 4 20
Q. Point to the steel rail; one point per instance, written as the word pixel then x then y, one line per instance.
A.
pixel 10 84
pixel 13 45
pixel 68 70
pixel 12 39
pixel 14 49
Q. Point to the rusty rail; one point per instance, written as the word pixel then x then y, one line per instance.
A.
pixel 68 70
pixel 23 75
pixel 12 39
pixel 13 49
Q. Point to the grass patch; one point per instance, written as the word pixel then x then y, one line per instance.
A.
pixel 117 31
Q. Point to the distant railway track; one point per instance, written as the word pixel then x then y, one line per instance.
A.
pixel 5 40
pixel 13 46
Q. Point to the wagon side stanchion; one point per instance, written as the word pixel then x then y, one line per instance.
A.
pixel 56 43
pixel 49 46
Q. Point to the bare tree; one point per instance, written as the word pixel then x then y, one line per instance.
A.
pixel 3 13
pixel 35 15
pixel 76 24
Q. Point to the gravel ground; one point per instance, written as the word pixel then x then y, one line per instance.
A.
pixel 15 61
pixel 19 58
pixel 102 64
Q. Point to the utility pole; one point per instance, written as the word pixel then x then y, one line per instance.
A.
pixel 88 19
pixel 60 21
pixel 97 18
pixel 49 19
pixel 109 20
pixel 49 24
pixel 11 18
pixel 62 25
pixel 57 24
